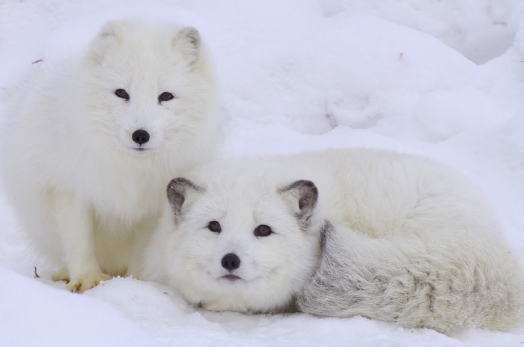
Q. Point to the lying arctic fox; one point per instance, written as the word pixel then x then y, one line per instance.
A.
pixel 94 140
pixel 404 240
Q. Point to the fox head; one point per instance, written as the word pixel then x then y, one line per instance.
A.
pixel 149 87
pixel 238 238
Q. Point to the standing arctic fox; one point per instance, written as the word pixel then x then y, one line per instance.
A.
pixel 93 142
pixel 404 240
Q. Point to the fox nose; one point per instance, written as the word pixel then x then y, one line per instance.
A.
pixel 140 136
pixel 230 261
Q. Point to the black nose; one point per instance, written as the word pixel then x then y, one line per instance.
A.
pixel 230 261
pixel 140 136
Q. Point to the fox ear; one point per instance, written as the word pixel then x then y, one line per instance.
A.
pixel 303 196
pixel 110 29
pixel 179 191
pixel 188 41
pixel 108 35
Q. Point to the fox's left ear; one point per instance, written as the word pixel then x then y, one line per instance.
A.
pixel 302 196
pixel 188 41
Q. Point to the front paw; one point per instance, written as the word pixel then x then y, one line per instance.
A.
pixel 62 275
pixel 89 280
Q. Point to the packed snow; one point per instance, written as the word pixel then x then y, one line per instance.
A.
pixel 441 79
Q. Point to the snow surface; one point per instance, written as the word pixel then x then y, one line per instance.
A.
pixel 441 79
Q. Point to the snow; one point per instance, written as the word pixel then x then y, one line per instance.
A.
pixel 441 79
pixel 37 315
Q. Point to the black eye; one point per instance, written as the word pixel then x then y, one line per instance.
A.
pixel 165 96
pixel 121 93
pixel 214 226
pixel 263 230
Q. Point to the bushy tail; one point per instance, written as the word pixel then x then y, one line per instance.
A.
pixel 444 282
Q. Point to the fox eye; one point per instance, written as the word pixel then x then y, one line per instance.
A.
pixel 263 230
pixel 121 93
pixel 214 226
pixel 165 96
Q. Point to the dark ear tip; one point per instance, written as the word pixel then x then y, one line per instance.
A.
pixel 172 184
pixel 176 181
pixel 307 183
pixel 181 183
pixel 301 184
pixel 311 185
pixel 193 35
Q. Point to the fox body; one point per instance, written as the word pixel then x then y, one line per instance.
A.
pixel 404 240
pixel 95 139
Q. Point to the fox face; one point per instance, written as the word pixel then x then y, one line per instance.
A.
pixel 241 246
pixel 149 87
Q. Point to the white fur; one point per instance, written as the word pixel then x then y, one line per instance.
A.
pixel 412 242
pixel 79 185
pixel 188 256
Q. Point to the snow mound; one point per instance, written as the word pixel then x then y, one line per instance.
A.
pixel 479 29
pixel 444 114
pixel 52 317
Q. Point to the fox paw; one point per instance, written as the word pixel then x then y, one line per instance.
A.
pixel 62 275
pixel 86 281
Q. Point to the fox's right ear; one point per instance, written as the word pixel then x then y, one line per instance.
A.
pixel 180 192
pixel 107 36
pixel 188 41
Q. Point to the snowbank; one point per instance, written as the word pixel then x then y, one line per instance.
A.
pixel 34 314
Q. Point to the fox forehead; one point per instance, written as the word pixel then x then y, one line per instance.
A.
pixel 146 73
pixel 225 204
pixel 240 210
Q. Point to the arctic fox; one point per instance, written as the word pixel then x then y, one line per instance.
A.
pixel 93 142
pixel 404 240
